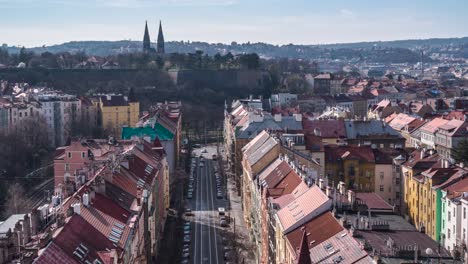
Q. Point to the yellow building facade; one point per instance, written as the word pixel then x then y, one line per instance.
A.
pixel 116 111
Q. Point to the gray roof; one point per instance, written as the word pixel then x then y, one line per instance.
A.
pixel 287 123
pixel 261 151
pixel 10 223
pixel 356 129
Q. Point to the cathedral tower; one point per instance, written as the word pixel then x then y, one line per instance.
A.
pixel 160 47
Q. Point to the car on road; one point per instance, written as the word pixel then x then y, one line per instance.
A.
pixel 186 255
pixel 219 195
pixel 221 210
pixel 187 239
pixel 201 165
pixel 188 212
pixel 186 250
pixel 187 226
pixel 204 151
pixel 189 195
pixel 196 146
pixel 187 232
pixel 185 261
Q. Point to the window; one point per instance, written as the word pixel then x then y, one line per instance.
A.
pixel 381 188
pixel 381 175
pixel 464 213
pixel 318 160
pixel 381 145
pixel 397 195
pixel 67 167
pixel 83 154
pixel 448 235
pixel 397 181
pixel 69 155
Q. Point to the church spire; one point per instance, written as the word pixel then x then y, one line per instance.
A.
pixel 160 47
pixel 146 39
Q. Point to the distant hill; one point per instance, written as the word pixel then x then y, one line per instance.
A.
pixel 456 46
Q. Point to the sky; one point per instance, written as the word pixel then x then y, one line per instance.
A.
pixel 34 23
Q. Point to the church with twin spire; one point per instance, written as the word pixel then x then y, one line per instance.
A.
pixel 147 41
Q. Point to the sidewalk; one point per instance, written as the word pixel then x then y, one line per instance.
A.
pixel 238 220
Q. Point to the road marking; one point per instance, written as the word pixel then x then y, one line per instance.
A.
pixel 196 211
pixel 208 193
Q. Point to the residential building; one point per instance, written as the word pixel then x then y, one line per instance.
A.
pixel 282 99
pixel 454 214
pixel 374 133
pixel 115 112
pixel 449 135
pixel 322 84
pixel 112 208
pixel 355 166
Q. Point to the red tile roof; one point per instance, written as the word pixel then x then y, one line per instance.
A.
pixel 317 230
pixel 77 231
pixel 334 153
pixel 327 128
pixel 374 202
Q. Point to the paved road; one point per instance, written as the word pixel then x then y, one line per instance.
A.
pixel 206 238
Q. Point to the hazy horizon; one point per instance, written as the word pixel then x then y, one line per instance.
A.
pixel 34 23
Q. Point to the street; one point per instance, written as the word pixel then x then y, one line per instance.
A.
pixel 206 239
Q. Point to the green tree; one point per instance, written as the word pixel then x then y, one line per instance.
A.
pixel 460 152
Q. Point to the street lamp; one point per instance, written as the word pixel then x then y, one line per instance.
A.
pixel 429 253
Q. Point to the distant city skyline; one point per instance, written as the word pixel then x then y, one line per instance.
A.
pixel 33 23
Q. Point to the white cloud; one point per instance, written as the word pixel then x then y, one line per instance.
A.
pixel 346 13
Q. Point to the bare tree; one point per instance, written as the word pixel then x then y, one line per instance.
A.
pixel 17 201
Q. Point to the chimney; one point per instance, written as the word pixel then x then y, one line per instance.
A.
pixel 321 184
pixel 109 97
pixel 34 221
pixel 277 117
pixel 26 229
pixel 342 188
pixel 317 132
pixel 351 197
pixel 423 153
pixel 298 117
pixel 328 191
pixel 86 200
pixel 77 208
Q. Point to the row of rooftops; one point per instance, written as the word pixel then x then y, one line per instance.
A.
pixel 295 204
pixel 303 212
pixel 97 222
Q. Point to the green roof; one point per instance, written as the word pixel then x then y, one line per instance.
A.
pixel 161 132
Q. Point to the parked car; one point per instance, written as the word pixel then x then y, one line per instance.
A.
pixel 196 146
pixel 219 195
pixel 221 211
pixel 188 212
pixel 186 238
pixel 189 195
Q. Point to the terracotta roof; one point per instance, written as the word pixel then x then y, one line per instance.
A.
pixel 400 121
pixel 433 125
pixel 340 248
pixel 306 206
pixel 303 252
pixel 53 254
pixel 416 162
pixel 334 153
pixel 275 175
pixel 317 230
pixel 76 232
pixel 374 202
pixel 329 128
